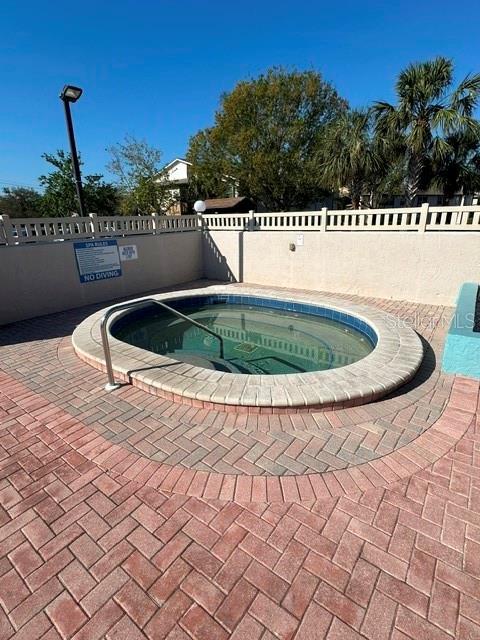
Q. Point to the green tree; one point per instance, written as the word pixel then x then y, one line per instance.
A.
pixel 60 197
pixel 100 197
pixel 141 178
pixel 428 111
pixel 207 178
pixel 388 181
pixel 459 169
pixel 267 136
pixel 352 158
pixel 20 202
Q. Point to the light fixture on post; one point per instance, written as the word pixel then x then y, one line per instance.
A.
pixel 72 94
pixel 200 206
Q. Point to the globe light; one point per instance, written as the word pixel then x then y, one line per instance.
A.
pixel 200 206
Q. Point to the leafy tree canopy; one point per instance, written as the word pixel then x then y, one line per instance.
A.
pixel 207 178
pixel 459 169
pixel 20 202
pixel 132 160
pixel 429 115
pixel 59 197
pixel 352 159
pixel 141 178
pixel 267 135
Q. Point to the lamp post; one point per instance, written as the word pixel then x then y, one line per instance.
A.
pixel 72 94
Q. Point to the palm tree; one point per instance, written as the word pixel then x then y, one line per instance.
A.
pixel 428 111
pixel 351 157
pixel 459 170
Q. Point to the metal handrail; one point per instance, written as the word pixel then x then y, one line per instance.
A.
pixel 111 384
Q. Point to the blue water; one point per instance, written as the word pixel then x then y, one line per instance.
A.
pixel 256 340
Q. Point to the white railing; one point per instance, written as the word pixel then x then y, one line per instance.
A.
pixel 423 218
pixel 32 230
pixel 420 219
pixel 227 221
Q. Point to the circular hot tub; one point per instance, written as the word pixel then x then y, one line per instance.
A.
pixel 244 348
pixel 248 335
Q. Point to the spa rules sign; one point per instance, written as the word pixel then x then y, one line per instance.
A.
pixel 97 260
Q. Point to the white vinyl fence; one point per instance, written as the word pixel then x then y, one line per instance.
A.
pixel 420 219
pixel 423 218
pixel 32 230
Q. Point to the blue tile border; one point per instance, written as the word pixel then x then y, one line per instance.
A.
pixel 286 305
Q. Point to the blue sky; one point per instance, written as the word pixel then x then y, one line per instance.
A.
pixel 156 69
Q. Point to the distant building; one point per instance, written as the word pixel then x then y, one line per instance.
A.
pixel 436 199
pixel 431 196
pixel 177 174
pixel 229 205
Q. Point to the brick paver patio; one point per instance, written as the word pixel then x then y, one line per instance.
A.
pixel 126 516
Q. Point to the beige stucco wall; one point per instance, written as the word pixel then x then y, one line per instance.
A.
pixel 37 279
pixel 420 267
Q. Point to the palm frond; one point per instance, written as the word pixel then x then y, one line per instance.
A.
pixel 387 119
pixel 423 82
pixel 440 149
pixel 450 120
pixel 466 96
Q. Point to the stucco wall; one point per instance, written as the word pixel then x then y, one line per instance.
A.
pixel 421 267
pixel 38 279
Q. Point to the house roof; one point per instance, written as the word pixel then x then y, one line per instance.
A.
pixel 175 161
pixel 223 203
pixel 171 168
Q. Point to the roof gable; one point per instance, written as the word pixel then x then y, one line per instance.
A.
pixel 177 161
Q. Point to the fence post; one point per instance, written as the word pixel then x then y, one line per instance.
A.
pixel 323 225
pixel 7 229
pixel 93 224
pixel 251 220
pixel 423 217
pixel 199 222
pixel 155 222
